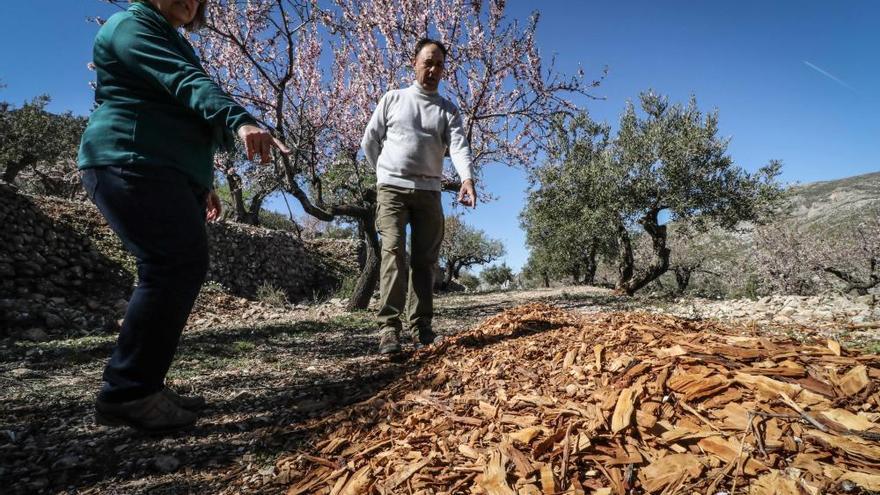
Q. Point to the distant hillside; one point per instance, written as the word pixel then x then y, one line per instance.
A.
pixel 830 202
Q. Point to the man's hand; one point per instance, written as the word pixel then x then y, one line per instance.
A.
pixel 258 141
pixel 213 208
pixel 467 195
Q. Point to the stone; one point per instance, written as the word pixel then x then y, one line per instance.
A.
pixel 866 299
pixel 35 335
pixel 166 464
pixel 21 373
pixel 787 311
pixel 66 462
pixel 39 484
pixel 54 321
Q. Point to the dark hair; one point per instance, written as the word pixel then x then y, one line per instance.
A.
pixel 428 41
pixel 200 18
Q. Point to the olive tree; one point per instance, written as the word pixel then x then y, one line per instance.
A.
pixel 667 162
pixel 497 275
pixel 565 238
pixel 43 143
pixel 465 246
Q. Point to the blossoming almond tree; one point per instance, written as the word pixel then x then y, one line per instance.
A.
pixel 313 70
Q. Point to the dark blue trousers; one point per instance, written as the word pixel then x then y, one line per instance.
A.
pixel 159 215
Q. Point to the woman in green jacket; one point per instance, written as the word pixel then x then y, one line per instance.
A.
pixel 146 160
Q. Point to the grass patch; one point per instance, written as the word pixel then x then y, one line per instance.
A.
pixel 271 295
pixel 346 287
pixel 354 321
pixel 870 347
pixel 243 346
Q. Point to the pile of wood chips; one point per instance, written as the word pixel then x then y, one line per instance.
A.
pixel 539 401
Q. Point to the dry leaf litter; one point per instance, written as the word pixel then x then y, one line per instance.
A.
pixel 539 401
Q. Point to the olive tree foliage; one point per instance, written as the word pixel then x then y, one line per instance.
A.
pixel 470 281
pixel 538 269
pixel 497 275
pixel 465 246
pixel 666 160
pixel 38 148
pixel 565 238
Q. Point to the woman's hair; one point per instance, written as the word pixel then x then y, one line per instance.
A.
pixel 198 21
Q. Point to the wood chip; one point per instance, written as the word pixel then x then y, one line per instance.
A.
pixel 855 380
pixel 494 479
pixel 662 406
pixel 623 410
pixel 663 472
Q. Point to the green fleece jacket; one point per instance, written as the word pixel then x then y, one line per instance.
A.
pixel 156 104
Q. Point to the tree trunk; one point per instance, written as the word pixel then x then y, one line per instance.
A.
pixel 238 207
pixel 369 277
pixel 448 274
pixel 12 171
pixel 243 214
pixel 253 214
pixel 362 249
pixel 546 280
pixel 682 278
pixel 576 274
pixel 590 267
pixel 625 259
pixel 659 264
pixel 860 287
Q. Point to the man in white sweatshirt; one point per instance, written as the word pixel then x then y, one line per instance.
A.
pixel 406 140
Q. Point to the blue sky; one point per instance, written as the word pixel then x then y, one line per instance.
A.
pixel 792 80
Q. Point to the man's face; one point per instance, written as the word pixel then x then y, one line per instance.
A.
pixel 429 66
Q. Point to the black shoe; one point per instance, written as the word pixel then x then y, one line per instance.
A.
pixel 154 413
pixel 188 402
pixel 389 341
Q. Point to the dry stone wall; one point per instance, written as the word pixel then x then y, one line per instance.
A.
pixel 63 271
pixel 244 258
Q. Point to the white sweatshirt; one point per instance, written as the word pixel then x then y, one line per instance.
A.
pixel 407 138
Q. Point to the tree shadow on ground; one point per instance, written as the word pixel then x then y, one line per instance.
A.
pixel 49 442
pixel 217 343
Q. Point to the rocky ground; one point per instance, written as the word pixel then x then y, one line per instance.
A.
pixel 264 368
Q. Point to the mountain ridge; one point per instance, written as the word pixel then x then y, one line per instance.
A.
pixel 834 200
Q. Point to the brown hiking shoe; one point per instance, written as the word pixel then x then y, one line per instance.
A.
pixel 389 341
pixel 155 413
pixel 188 402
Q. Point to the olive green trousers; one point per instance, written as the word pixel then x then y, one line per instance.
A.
pixel 421 210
